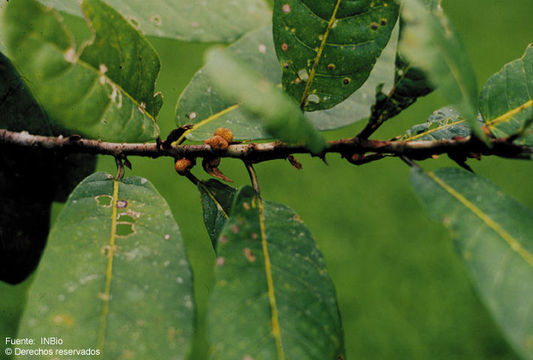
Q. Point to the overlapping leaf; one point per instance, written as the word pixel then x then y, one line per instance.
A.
pixel 207 20
pixel 11 309
pixel 494 237
pixel 29 179
pixel 114 277
pixel 280 115
pixel 328 48
pixel 217 199
pixel 107 92
pixel 506 102
pixel 430 43
pixel 443 124
pixel 410 83
pixel 201 102
pixel 273 298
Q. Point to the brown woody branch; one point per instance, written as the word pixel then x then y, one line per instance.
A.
pixel 357 151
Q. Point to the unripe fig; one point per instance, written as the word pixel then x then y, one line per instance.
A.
pixel 217 143
pixel 227 134
pixel 183 166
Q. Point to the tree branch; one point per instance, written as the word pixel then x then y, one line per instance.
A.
pixel 354 149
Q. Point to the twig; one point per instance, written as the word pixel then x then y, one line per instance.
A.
pixel 259 152
pixel 253 177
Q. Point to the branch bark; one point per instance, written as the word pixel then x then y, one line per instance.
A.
pixel 357 151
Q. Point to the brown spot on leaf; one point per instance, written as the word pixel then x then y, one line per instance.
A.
pixel 249 255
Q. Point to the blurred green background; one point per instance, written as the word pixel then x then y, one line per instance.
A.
pixel 402 291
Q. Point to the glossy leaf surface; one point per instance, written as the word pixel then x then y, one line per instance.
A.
pixel 202 103
pixel 494 238
pixel 273 298
pixel 280 115
pixel 114 276
pixel 328 48
pixel 107 92
pixel 430 43
pixel 506 102
pixel 207 20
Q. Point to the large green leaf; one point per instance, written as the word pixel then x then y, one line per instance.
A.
pixel 506 102
pixel 217 199
pixel 494 237
pixel 410 83
pixel 114 276
pixel 328 48
pixel 29 179
pixel 280 115
pixel 443 124
pixel 430 43
pixel 207 20
pixel 273 298
pixel 11 308
pixel 107 92
pixel 201 102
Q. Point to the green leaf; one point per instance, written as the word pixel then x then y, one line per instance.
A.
pixel 217 199
pixel 11 308
pixel 281 116
pixel 273 298
pixel 443 124
pixel 430 43
pixel 107 92
pixel 328 48
pixel 114 276
pixel 506 102
pixel 207 20
pixel 494 238
pixel 29 179
pixel 410 83
pixel 202 103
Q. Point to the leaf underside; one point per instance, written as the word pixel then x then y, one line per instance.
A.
pixel 107 92
pixel 207 20
pixel 281 117
pixel 327 49
pixel 506 102
pixel 494 238
pixel 273 298
pixel 114 275
pixel 430 43
pixel 202 102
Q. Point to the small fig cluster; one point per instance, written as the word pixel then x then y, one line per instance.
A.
pixel 219 141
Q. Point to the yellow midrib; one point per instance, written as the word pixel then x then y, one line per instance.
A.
pixel 276 332
pixel 319 55
pixel 434 130
pixel 215 200
pixel 205 121
pixel 109 270
pixel 509 239
pixel 508 115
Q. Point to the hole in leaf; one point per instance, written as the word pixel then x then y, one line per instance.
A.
pixel 133 21
pixel 156 19
pixel 124 229
pixel 126 218
pixel 104 200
